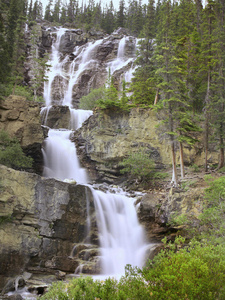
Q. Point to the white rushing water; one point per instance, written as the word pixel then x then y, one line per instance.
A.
pixel 60 158
pixel 121 60
pixel 83 61
pixel 121 237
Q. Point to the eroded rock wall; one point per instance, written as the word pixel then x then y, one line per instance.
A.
pixel 108 137
pixel 20 118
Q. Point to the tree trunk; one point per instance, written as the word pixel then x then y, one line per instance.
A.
pixel 221 161
pixel 206 139
pixel 181 160
pixel 156 97
pixel 174 176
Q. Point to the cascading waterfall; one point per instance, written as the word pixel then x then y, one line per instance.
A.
pixel 82 62
pixel 60 158
pixel 121 59
pixel 121 236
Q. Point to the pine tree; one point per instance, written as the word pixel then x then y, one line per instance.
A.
pixel 217 105
pixel 144 81
pixel 4 59
pixel 108 20
pixel 121 16
pixel 172 61
pixel 48 11
pixel 56 11
pixel 207 67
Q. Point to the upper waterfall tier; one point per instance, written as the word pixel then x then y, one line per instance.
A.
pixel 73 75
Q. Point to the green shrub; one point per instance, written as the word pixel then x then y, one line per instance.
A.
pixel 7 89
pixel 111 100
pixel 138 164
pixel 212 217
pixel 11 153
pixel 89 102
pixel 193 272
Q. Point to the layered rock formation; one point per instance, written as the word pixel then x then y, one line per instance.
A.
pixel 108 136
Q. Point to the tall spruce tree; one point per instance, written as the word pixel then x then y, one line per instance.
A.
pixel 4 59
pixel 143 84
pixel 206 67
pixel 121 15
pixel 171 58
pixel 217 104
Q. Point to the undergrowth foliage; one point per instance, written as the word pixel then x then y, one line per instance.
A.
pixel 11 153
pixel 138 164
pixel 196 271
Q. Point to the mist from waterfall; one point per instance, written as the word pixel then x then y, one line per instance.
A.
pixel 122 239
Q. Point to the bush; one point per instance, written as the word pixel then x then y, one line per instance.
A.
pixel 89 102
pixel 138 164
pixel 11 153
pixel 111 100
pixel 7 89
pixel 212 217
pixel 193 272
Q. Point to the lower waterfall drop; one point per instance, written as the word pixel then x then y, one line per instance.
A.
pixel 122 238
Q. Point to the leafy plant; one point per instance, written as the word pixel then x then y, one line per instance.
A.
pixel 212 218
pixel 138 164
pixel 179 271
pixel 5 219
pixel 195 168
pixel 11 153
pixel 89 102
pixel 193 272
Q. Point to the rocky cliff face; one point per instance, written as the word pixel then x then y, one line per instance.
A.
pixel 21 119
pixel 108 137
pixel 43 226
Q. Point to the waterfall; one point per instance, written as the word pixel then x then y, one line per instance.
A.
pixel 82 62
pixel 121 238
pixel 60 158
pixel 120 60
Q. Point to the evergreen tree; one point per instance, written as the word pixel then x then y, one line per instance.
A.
pixel 4 59
pixel 15 11
pixel 171 59
pixel 206 67
pixel 217 104
pixel 56 11
pixel 48 11
pixel 134 17
pixel 108 20
pixel 121 16
pixel 144 81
